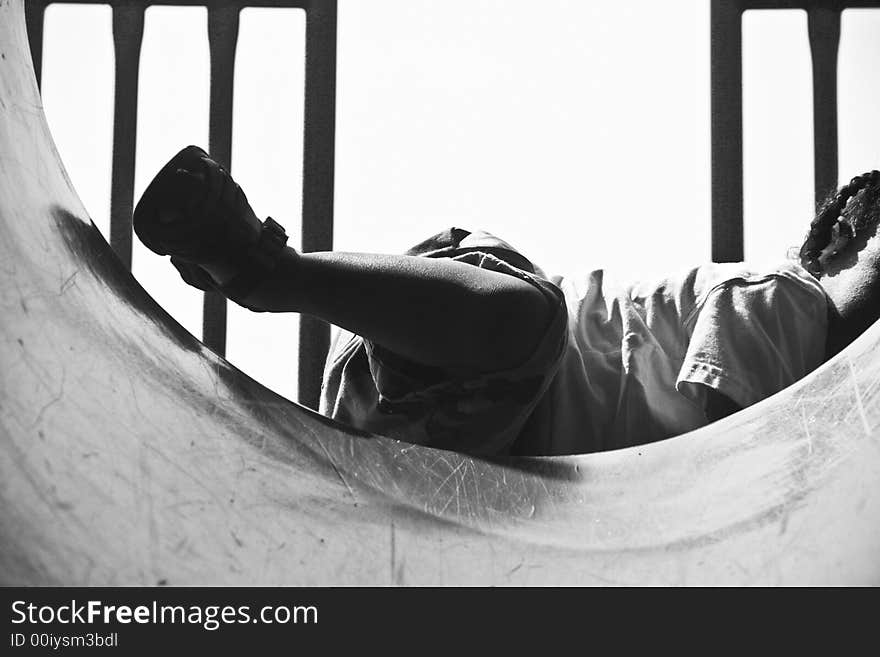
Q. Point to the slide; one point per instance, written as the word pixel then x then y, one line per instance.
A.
pixel 130 454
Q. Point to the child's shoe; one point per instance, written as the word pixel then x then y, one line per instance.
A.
pixel 194 211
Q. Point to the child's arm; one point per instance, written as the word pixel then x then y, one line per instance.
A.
pixel 719 406
pixel 436 312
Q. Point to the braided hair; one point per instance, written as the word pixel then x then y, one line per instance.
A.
pixel 831 213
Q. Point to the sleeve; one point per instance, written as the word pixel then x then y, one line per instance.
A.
pixel 751 339
pixel 383 392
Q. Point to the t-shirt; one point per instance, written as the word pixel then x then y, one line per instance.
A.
pixel 640 356
pixel 619 365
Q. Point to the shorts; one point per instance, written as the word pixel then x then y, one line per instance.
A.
pixel 373 389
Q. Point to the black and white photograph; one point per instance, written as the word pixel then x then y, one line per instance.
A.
pixel 433 294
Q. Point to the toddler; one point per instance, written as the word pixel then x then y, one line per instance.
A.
pixel 464 344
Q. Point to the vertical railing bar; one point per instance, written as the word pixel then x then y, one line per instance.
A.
pixel 824 34
pixel 318 159
pixel 128 32
pixel 223 23
pixel 34 11
pixel 727 131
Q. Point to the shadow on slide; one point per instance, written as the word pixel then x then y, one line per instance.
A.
pixel 131 454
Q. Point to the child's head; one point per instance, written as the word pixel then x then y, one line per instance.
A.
pixel 841 235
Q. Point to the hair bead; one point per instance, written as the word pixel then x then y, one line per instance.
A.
pixel 819 235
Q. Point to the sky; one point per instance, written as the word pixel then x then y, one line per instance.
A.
pixel 578 131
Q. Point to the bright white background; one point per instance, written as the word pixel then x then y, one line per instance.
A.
pixel 578 131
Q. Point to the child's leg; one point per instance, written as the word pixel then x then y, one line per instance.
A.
pixel 436 312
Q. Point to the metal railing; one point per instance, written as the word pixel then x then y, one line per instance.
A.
pixel 319 129
pixel 823 19
pixel 318 141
